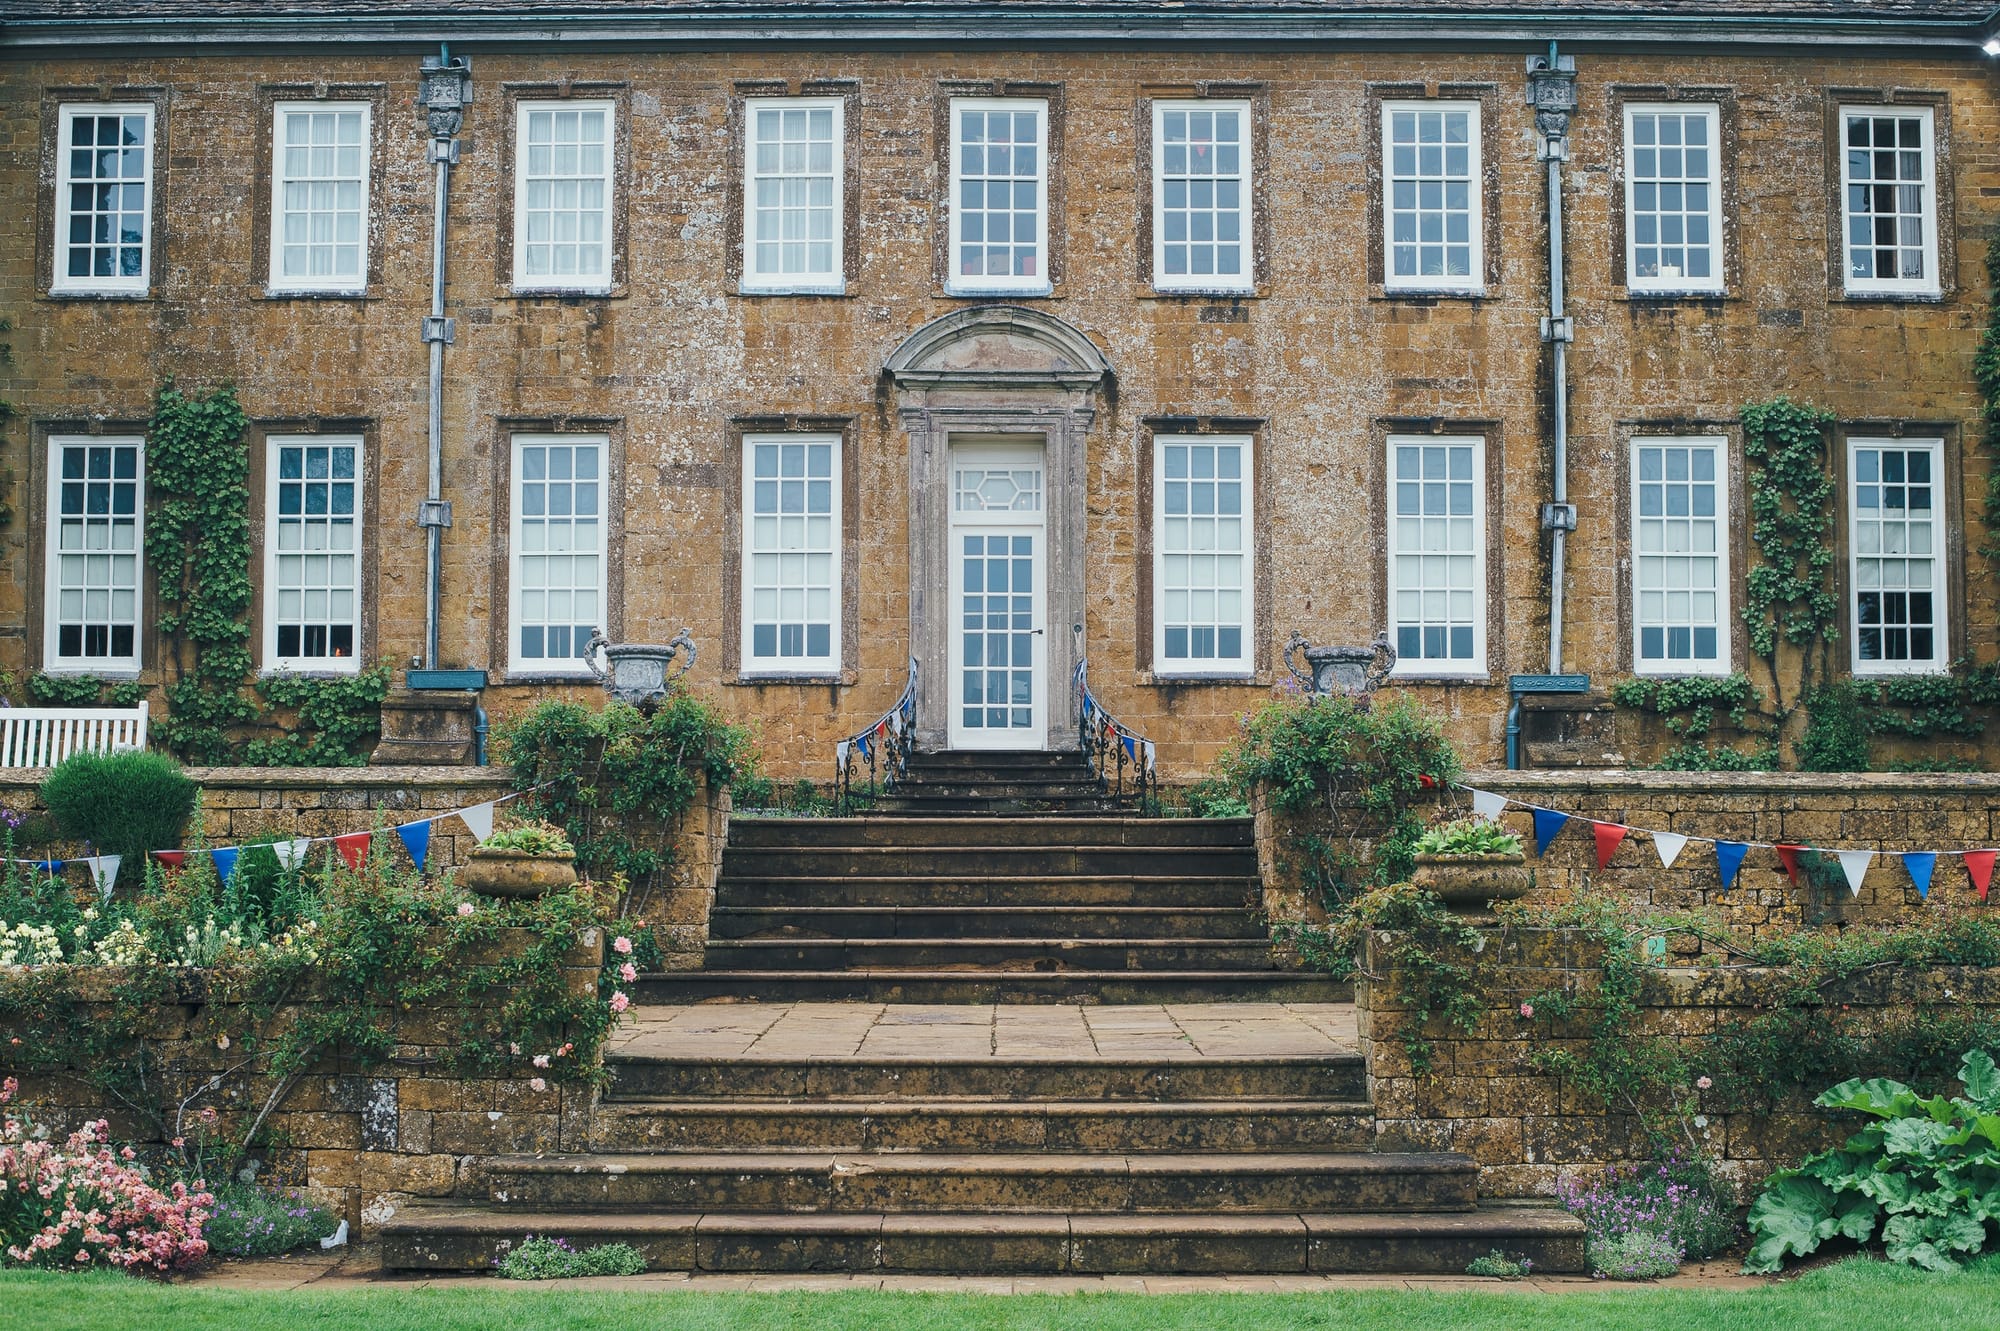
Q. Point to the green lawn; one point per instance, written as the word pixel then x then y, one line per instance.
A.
pixel 1837 1298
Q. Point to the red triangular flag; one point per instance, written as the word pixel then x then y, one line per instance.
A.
pixel 171 858
pixel 353 848
pixel 1979 863
pixel 1609 836
pixel 1789 857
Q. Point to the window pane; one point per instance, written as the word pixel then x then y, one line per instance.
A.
pixel 1678 508
pixel 1203 164
pixel 558 552
pixel 1892 518
pixel 321 197
pixel 95 597
pixel 1203 543
pixel 1889 199
pixel 1436 548
pixel 1432 171
pixel 792 195
pixel 313 598
pixel 103 233
pixel 1672 179
pixel 790 553
pixel 997 197
pixel 564 161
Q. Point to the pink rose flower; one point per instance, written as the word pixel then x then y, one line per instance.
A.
pixel 1527 1009
pixel 621 945
pixel 618 1000
pixel 537 1084
pixel 628 972
pixel 465 908
pixel 1704 1082
pixel 541 1060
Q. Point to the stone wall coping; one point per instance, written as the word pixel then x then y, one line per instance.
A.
pixel 498 776
pixel 1597 781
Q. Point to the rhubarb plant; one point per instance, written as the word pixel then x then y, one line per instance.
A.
pixel 1925 1174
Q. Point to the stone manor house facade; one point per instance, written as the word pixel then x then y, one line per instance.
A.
pixel 1000 336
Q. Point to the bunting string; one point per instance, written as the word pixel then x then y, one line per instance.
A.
pixel 1608 837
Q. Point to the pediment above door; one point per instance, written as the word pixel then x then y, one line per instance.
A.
pixel 997 346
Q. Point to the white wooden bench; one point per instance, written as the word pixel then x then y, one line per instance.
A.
pixel 44 736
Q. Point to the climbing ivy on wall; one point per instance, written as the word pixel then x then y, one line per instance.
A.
pixel 1986 370
pixel 1786 592
pixel 198 545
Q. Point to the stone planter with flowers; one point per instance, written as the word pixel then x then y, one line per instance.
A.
pixel 527 861
pixel 1470 864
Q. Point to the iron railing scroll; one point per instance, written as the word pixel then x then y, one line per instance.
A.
pixel 1120 757
pixel 883 750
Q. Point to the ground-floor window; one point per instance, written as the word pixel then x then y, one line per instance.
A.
pixel 1680 566
pixel 1895 577
pixel 1437 544
pixel 1201 555
pixel 312 553
pixel 791 564
pixel 96 539
pixel 558 551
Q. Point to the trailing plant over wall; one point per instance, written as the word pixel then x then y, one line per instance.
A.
pixel 1688 709
pixel 1786 596
pixel 84 691
pixel 610 777
pixel 198 546
pixel 7 415
pixel 335 719
pixel 1986 372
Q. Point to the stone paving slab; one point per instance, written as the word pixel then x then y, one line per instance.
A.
pixel 1056 1032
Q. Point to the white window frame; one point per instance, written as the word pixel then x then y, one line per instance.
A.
pixel 52 661
pixel 1940 658
pixel 60 282
pixel 985 283
pixel 1419 667
pixel 1931 284
pixel 1724 525
pixel 597 283
pixel 309 665
pixel 330 285
pixel 1244 664
pixel 1246 278
pixel 1473 281
pixel 780 667
pixel 833 283
pixel 1717 275
pixel 543 666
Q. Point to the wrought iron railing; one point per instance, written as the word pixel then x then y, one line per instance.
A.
pixel 883 748
pixel 1120 757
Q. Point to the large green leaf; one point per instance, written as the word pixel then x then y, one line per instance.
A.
pixel 1794 1215
pixel 1915 1136
pixel 1981 1078
pixel 1914 1239
pixel 1877 1095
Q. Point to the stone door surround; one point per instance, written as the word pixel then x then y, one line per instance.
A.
pixel 995 371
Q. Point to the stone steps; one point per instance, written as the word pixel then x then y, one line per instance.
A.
pixel 988 986
pixel 817 1181
pixel 1081 859
pixel 1005 1125
pixel 446 1237
pixel 984 922
pixel 946 890
pixel 1152 955
pixel 762 834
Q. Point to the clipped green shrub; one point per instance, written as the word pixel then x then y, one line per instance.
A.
pixel 121 803
pixel 555 1259
pixel 1468 836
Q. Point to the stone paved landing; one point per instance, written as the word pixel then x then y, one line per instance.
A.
pixel 898 1030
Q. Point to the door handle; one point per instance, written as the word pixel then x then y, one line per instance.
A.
pixel 1036 632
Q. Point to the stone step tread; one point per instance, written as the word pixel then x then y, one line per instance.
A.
pixel 442 1236
pixel 965 943
pixel 878 1107
pixel 986 984
pixel 841 911
pixel 739 1163
pixel 1053 880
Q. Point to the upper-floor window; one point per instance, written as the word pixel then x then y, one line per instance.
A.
pixel 1431 205
pixel 1894 537
pixel 1680 565
pixel 1201 196
pixel 1888 177
pixel 104 199
pixel 1673 198
pixel 319 197
pixel 999 196
pixel 312 554
pixel 1437 555
pixel 792 189
pixel 557 582
pixel 1202 556
pixel 791 555
pixel 562 197
pixel 96 553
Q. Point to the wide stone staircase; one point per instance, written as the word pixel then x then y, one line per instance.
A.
pixel 996 1027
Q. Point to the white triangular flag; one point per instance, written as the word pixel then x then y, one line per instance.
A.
pixel 1149 755
pixel 1487 804
pixel 289 853
pixel 480 819
pixel 104 872
pixel 840 756
pixel 1854 863
pixel 1669 844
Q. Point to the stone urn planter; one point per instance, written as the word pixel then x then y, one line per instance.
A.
pixel 493 872
pixel 1470 884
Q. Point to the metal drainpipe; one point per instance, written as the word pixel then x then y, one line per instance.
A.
pixel 446 88
pixel 1552 92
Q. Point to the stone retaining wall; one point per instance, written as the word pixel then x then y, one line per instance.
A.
pixel 1528 1129
pixel 1878 811
pixel 363 1139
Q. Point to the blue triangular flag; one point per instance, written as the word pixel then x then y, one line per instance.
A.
pixel 416 840
pixel 1547 823
pixel 225 861
pixel 50 867
pixel 1729 858
pixel 861 743
pixel 1131 750
pixel 1918 864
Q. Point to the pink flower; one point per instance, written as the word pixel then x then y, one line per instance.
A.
pixel 541 1060
pixel 1704 1082
pixel 537 1084
pixel 465 908
pixel 618 1000
pixel 628 972
pixel 621 945
pixel 514 1049
pixel 179 1142
pixel 1527 1009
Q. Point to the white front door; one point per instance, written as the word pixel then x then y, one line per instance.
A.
pixel 999 650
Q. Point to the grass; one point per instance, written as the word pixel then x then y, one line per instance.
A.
pixel 1836 1298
